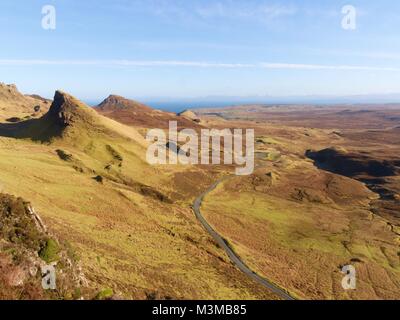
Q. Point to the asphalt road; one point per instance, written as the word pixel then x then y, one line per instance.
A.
pixel 232 255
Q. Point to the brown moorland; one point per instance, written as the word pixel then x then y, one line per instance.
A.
pixel 136 114
pixel 129 224
pixel 325 195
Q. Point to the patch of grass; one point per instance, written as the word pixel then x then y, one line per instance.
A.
pixel 77 294
pixel 105 294
pixel 50 251
pixel 17 225
pixel 71 252
pixel 274 156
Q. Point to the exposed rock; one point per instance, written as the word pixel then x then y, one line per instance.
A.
pixel 15 104
pixel 190 115
pixel 115 102
pixel 23 239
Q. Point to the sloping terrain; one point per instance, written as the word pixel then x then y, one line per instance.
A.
pixel 353 164
pixel 15 107
pixel 378 169
pixel 133 113
pixel 297 221
pixel 26 247
pixel 312 116
pixel 129 224
pixel 190 115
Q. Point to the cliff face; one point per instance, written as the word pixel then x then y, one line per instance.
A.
pixel 67 110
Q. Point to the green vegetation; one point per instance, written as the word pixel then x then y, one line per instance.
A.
pixel 105 294
pixel 131 221
pixel 274 156
pixel 17 225
pixel 50 252
pixel 269 227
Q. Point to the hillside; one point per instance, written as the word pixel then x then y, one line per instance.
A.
pixel 133 113
pixel 26 246
pixel 190 115
pixel 343 117
pixel 14 106
pixel 129 224
pixel 298 222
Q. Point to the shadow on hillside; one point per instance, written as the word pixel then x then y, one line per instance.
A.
pixel 351 165
pixel 39 130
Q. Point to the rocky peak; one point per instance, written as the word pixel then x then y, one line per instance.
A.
pixel 9 89
pixel 115 103
pixel 66 109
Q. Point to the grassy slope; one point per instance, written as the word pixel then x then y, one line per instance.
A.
pixel 299 225
pixel 14 104
pixel 126 240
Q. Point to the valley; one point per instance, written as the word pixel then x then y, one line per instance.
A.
pixel 324 197
pixel 324 194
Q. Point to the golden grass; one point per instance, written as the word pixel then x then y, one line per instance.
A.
pixel 125 241
pixel 301 245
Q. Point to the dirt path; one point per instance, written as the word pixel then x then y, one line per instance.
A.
pixel 232 255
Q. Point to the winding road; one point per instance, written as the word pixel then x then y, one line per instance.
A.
pixel 232 255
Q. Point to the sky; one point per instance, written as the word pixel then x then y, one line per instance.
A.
pixel 164 49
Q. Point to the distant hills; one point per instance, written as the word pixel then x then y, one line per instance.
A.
pixel 16 107
pixel 179 104
pixel 134 113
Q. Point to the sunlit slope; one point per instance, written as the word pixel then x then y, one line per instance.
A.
pixel 87 177
pixel 298 225
pixel 15 107
pixel 136 114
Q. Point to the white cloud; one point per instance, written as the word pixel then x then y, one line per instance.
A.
pixel 192 64
pixel 198 11
pixel 325 67
pixel 244 10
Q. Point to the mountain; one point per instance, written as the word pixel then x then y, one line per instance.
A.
pixel 72 120
pixel 134 113
pixel 14 106
pixel 115 103
pixel 88 177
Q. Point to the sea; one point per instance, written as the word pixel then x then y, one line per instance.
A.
pixel 176 106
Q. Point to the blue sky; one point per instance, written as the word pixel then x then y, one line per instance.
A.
pixel 196 48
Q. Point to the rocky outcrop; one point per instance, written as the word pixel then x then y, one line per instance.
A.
pixel 115 102
pixel 190 115
pixel 14 104
pixel 27 248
